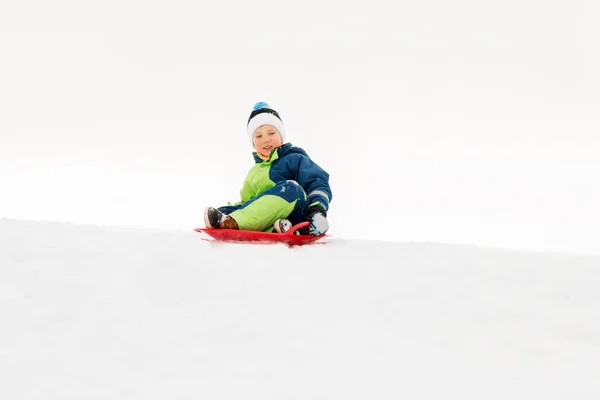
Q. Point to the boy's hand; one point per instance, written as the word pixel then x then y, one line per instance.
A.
pixel 318 221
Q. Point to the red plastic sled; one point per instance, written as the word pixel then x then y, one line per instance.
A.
pixel 237 236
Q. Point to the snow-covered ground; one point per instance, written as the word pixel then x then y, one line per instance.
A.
pixel 104 313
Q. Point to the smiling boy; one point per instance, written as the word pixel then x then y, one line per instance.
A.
pixel 283 188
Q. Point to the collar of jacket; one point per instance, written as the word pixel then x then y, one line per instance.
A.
pixel 274 154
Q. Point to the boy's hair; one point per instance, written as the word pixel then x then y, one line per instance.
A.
pixel 263 114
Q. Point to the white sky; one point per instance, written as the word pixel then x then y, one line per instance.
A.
pixel 467 122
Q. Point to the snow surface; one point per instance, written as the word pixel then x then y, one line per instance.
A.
pixel 90 312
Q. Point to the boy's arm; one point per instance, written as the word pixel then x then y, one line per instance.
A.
pixel 315 181
pixel 245 192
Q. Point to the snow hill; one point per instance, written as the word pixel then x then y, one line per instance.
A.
pixel 104 313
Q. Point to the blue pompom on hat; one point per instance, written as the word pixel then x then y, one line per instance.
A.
pixel 259 105
pixel 263 114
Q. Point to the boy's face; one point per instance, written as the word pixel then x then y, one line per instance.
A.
pixel 265 139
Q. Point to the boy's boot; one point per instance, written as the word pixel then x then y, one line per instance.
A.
pixel 215 219
pixel 283 225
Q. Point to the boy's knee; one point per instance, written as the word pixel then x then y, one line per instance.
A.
pixel 293 188
pixel 291 183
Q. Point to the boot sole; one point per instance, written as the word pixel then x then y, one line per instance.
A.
pixel 206 221
pixel 277 227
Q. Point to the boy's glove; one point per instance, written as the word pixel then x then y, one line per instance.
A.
pixel 318 221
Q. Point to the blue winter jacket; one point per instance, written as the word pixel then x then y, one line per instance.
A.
pixel 288 163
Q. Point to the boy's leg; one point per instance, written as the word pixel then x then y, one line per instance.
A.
pixel 219 217
pixel 229 209
pixel 287 199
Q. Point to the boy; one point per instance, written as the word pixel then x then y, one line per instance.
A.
pixel 283 188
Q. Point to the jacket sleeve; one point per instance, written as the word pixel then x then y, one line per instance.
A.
pixel 245 192
pixel 315 182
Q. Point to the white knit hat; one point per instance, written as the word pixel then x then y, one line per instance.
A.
pixel 263 114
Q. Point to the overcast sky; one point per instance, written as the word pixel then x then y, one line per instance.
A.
pixel 463 122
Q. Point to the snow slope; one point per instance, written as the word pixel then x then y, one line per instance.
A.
pixel 104 313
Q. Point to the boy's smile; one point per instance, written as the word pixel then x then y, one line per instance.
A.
pixel 266 138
